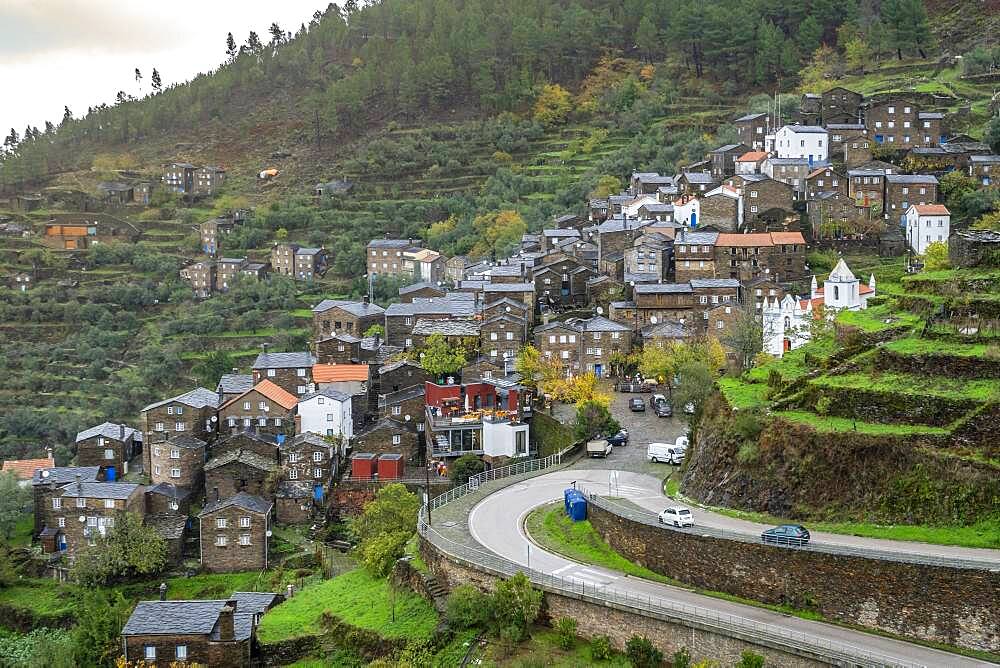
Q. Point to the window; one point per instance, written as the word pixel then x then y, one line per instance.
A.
pixel 81 502
pixel 317 473
pixel 109 504
pixel 56 503
pixel 718 324
pixel 109 453
pixel 181 652
pixel 244 539
pixel 232 422
pixel 158 426
pixel 175 453
pixel 220 523
pixel 510 336
pixel 156 469
pixel 149 652
pixel 246 422
pixel 270 373
pixel 396 410
pixel 396 439
pixel 245 522
pixel 565 354
pixel 178 426
pixel 61 522
pixel 170 410
pixel 293 474
pixel 221 541
pixel 317 456
pixel 175 472
pixel 892 110
pixel 301 373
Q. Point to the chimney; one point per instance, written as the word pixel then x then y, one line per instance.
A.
pixel 48 450
pixel 364 299
pixel 79 484
pixel 163 591
pixel 235 370
pixel 289 591
pixel 215 493
pixel 264 347
pixel 121 432
pixel 227 629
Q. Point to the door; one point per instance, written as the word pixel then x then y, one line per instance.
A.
pixel 597 370
pixel 318 493
pixel 786 345
pixel 694 219
pixel 61 541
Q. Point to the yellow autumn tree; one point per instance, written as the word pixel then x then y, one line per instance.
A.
pixel 498 232
pixel 552 105
pixel 437 232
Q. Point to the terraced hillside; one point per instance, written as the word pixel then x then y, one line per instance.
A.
pixel 889 419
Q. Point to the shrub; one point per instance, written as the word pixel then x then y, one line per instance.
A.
pixel 747 425
pixel 515 606
pixel 748 453
pixel 565 632
pixel 642 653
pixel 682 658
pixel 600 648
pixel 823 405
pixel 749 659
pixel 467 607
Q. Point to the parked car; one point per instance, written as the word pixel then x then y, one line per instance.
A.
pixel 598 448
pixel 620 439
pixel 663 409
pixel 689 408
pixel 677 516
pixel 786 534
pixel 636 405
pixel 666 453
pixel 657 399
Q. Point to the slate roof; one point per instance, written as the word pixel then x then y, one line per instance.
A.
pixel 186 441
pixel 99 490
pixel 107 430
pixel 398 364
pixel 414 287
pixel 663 288
pixel 60 475
pixel 845 126
pixel 601 324
pixel 358 309
pixel 697 238
pixel 986 159
pixel 172 491
pixel 170 527
pixel 726 148
pixel 244 457
pixel 336 395
pixel 749 117
pixel 508 287
pixel 507 301
pixel 715 283
pixel 669 329
pixel 641 277
pixel 243 500
pixel 622 304
pixel 342 336
pixel 425 327
pixel 235 383
pixel 865 172
pixel 294 489
pixel 392 243
pixel 401 395
pixel 788 161
pixel 433 306
pixel 566 232
pixel 698 177
pixel 305 437
pixel 930 115
pixel 173 618
pixel 284 360
pixel 911 178
pixel 196 398
pixel 807 129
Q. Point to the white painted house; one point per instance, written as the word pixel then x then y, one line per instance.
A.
pixel 802 141
pixel 925 224
pixel 504 438
pixel 325 412
pixel 687 210
pixel 786 323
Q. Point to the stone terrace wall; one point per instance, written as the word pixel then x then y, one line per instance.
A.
pixel 594 619
pixel 954 606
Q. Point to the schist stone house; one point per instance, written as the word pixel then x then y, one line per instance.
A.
pixel 302 264
pixel 111 445
pixel 47 481
pixel 309 458
pixel 239 471
pixel 292 372
pixel 179 461
pixel 188 414
pixel 266 407
pixel 84 511
pixel 207 633
pixel 334 316
pixel 235 533
pixel 584 346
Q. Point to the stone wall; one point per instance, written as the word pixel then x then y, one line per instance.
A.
pixel 947 605
pixel 595 619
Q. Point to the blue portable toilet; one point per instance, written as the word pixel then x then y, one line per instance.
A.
pixel 111 475
pixel 578 508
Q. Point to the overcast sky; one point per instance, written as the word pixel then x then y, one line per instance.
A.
pixel 82 52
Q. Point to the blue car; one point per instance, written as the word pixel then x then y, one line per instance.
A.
pixel 786 534
pixel 620 439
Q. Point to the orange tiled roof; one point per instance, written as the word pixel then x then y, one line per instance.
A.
pixel 758 239
pixel 787 238
pixel 932 209
pixel 752 156
pixel 278 395
pixel 814 172
pixel 334 373
pixel 24 469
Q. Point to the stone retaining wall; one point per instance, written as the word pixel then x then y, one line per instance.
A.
pixel 947 605
pixel 596 619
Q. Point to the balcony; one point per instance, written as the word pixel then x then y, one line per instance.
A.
pixel 472 418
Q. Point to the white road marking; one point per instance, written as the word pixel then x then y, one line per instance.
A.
pixel 598 573
pixel 564 568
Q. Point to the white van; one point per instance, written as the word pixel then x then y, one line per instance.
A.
pixel 666 453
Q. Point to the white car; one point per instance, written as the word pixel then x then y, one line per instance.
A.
pixel 677 516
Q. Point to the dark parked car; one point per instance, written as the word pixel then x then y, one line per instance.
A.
pixel 786 534
pixel 636 405
pixel 662 409
pixel 619 439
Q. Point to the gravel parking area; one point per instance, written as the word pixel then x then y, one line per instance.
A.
pixel 643 428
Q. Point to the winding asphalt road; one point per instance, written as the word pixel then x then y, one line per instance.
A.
pixel 497 523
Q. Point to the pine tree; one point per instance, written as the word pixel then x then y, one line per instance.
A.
pixel 277 34
pixel 230 47
pixel 155 81
pixel 810 35
pixel 254 44
pixel 646 37
pixel 67 115
pixel 895 32
pixel 918 28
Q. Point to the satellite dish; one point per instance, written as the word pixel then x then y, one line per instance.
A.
pixel 82 519
pixel 600 310
pixel 45 474
pixel 406 417
pixel 268 533
pixel 215 418
pixel 653 320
